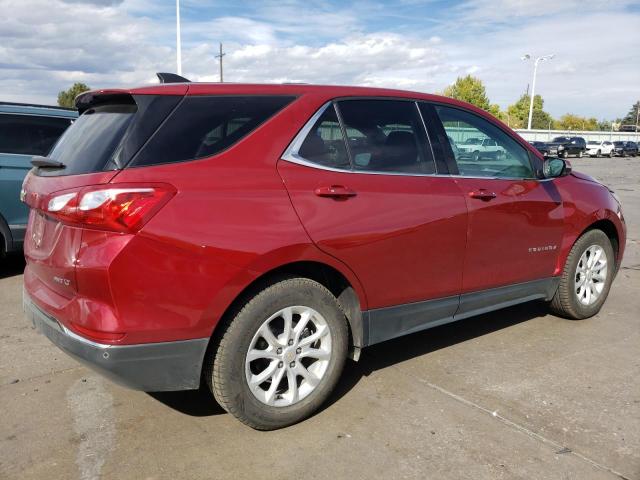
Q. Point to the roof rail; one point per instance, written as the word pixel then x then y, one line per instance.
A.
pixel 171 78
pixel 19 104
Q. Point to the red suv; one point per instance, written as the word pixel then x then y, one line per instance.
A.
pixel 251 237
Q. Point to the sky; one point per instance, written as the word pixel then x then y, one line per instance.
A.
pixel 421 45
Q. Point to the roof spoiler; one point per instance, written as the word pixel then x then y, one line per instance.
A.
pixel 171 78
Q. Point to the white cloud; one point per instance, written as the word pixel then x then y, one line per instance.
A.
pixel 381 59
pixel 45 45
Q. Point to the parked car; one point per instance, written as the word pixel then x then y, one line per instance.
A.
pixel 565 146
pixel 632 149
pixel 598 148
pixel 254 236
pixel 540 147
pixel 476 148
pixel 625 149
pixel 25 130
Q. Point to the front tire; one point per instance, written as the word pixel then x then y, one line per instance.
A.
pixel 586 278
pixel 580 153
pixel 281 356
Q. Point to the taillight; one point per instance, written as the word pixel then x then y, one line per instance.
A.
pixel 120 208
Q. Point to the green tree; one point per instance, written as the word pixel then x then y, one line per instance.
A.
pixel 570 121
pixel 66 98
pixel 518 113
pixel 632 116
pixel 471 90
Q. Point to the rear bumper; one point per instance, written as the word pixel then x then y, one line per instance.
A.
pixel 151 367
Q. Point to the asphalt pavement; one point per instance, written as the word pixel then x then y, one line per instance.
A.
pixel 517 393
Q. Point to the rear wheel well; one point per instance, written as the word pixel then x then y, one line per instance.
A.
pixel 324 274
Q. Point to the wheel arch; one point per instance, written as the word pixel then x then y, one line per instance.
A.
pixel 610 229
pixel 329 276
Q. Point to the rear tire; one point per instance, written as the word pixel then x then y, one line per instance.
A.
pixel 586 280
pixel 247 354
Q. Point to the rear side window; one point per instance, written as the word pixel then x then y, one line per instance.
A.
pixel 30 134
pixel 324 143
pixel 202 126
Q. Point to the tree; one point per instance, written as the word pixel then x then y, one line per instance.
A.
pixel 518 113
pixel 471 90
pixel 605 125
pixel 576 122
pixel 632 116
pixel 66 98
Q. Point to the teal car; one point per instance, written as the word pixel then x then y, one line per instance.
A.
pixel 25 130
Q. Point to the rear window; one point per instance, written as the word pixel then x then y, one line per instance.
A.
pixel 30 134
pixel 87 146
pixel 202 126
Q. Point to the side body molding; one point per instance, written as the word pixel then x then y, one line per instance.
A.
pixel 383 324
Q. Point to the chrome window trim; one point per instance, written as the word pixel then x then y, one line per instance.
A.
pixel 291 153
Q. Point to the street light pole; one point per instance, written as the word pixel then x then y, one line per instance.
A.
pixel 533 83
pixel 178 43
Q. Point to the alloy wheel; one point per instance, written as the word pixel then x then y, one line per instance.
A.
pixel 288 356
pixel 591 275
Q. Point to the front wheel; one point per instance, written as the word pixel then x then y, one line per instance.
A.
pixel 586 278
pixel 580 153
pixel 611 154
pixel 281 356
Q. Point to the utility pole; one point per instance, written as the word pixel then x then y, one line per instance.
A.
pixel 178 43
pixel 220 55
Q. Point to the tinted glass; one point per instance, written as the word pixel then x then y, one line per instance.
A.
pixel 503 157
pixel 92 139
pixel 202 126
pixel 325 144
pixel 386 136
pixel 30 134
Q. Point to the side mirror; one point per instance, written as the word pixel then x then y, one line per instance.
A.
pixel 555 167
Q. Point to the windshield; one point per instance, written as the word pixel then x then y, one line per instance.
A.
pixel 561 139
pixel 472 141
pixel 592 142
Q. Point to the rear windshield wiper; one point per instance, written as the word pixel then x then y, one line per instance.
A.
pixel 46 162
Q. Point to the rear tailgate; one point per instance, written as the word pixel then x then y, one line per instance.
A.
pixel 51 247
pixel 112 127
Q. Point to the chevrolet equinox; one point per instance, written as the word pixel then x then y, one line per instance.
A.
pixel 252 237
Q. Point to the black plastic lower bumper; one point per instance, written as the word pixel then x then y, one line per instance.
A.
pixel 151 367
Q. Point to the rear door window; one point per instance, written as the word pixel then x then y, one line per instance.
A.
pixel 30 134
pixel 386 136
pixel 324 144
pixel 202 126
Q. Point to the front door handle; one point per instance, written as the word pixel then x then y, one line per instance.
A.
pixel 335 191
pixel 482 194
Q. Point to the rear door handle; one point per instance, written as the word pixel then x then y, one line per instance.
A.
pixel 482 194
pixel 335 191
